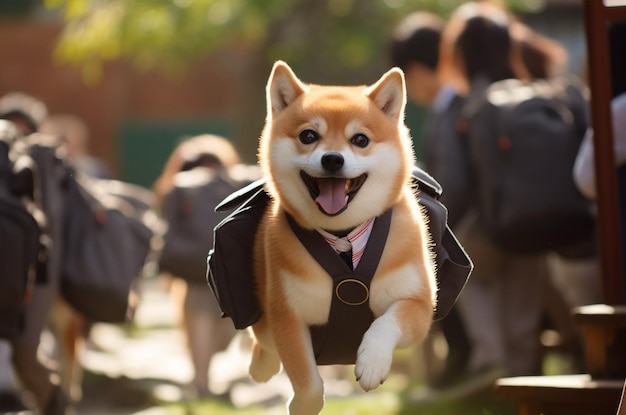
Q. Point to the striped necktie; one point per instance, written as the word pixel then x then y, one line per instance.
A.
pixel 355 241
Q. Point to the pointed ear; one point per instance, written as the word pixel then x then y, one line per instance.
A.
pixel 389 94
pixel 283 87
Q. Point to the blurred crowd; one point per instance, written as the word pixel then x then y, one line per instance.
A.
pixel 516 305
pixel 500 322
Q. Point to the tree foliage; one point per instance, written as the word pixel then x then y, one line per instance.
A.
pixel 169 34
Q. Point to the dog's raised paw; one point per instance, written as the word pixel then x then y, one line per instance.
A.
pixel 375 355
pixel 372 368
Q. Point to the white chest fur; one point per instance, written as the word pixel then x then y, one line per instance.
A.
pixel 309 297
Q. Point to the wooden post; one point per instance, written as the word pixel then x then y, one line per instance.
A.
pixel 597 18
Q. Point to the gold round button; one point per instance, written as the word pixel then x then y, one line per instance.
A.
pixel 352 292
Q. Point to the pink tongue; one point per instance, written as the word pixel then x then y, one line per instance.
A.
pixel 332 197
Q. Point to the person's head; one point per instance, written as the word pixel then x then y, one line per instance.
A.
pixel 71 129
pixel 414 48
pixel 205 150
pixel 24 111
pixel 477 44
pixel 8 131
pixel 543 57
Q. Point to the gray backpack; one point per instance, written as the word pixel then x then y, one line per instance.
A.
pixel 107 240
pixel 523 139
pixel 100 230
pixel 189 210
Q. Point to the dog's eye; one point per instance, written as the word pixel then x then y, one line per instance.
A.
pixel 308 137
pixel 360 140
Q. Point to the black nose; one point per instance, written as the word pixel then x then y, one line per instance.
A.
pixel 332 161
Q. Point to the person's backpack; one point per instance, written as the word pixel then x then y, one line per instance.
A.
pixel 107 240
pixel 523 139
pixel 230 270
pixel 101 231
pixel 20 234
pixel 189 210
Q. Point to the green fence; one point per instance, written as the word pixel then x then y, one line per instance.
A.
pixel 145 144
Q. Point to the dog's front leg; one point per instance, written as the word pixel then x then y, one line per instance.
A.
pixel 405 322
pixel 293 342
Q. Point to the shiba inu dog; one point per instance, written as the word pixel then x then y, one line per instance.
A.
pixel 335 157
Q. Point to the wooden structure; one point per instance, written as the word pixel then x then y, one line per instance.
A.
pixel 561 395
pixel 595 393
pixel 604 329
pixel 599 14
pixel 604 325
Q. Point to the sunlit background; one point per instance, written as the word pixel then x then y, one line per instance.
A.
pixel 144 74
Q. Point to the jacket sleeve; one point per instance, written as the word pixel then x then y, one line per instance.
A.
pixel 585 168
pixel 449 163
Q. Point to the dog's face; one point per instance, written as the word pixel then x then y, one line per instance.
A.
pixel 335 156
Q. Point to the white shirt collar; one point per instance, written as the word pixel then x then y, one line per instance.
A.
pixel 355 240
pixel 444 98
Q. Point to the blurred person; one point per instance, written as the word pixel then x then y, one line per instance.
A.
pixel 24 111
pixel 75 140
pixel 69 328
pixel 543 57
pixel 35 372
pixel 414 48
pixel 184 152
pixel 206 332
pixel 584 169
pixel 10 400
pixel 575 273
pixel 503 303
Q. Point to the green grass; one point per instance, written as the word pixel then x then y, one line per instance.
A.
pixel 392 398
pixel 376 404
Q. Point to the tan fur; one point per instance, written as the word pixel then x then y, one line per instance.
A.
pixel 294 290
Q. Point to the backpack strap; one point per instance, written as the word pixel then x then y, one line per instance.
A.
pixel 247 195
pixel 350 316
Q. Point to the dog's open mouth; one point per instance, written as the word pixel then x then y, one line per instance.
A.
pixel 332 194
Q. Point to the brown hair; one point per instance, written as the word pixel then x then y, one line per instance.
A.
pixel 477 43
pixel 416 38
pixel 190 151
pixel 544 57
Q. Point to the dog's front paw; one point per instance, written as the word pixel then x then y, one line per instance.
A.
pixel 373 363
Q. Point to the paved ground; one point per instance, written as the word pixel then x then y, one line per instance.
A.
pixel 130 370
pixel 138 370
pixel 133 371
